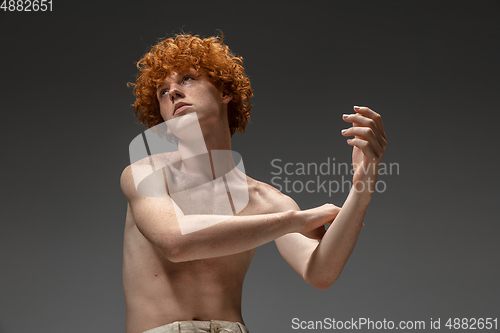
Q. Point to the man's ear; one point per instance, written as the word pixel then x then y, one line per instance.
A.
pixel 226 96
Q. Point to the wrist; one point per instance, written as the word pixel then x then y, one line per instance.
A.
pixel 361 194
pixel 364 183
pixel 294 220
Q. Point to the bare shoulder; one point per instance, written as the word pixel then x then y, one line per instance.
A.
pixel 127 177
pixel 143 169
pixel 270 198
pixel 127 181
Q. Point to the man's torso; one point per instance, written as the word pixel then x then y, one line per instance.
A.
pixel 159 291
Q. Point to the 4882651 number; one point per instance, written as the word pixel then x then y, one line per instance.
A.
pixel 26 5
pixel 472 323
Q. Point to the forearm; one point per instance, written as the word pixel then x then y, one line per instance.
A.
pixel 328 259
pixel 233 235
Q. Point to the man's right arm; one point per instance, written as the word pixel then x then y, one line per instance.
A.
pixel 158 220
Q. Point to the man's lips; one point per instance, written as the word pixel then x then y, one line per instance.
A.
pixel 179 107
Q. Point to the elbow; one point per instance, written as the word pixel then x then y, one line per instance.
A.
pixel 172 255
pixel 173 249
pixel 321 285
pixel 169 242
pixel 321 282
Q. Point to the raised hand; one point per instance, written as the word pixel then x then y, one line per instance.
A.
pixel 369 144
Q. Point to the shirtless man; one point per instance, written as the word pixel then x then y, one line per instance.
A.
pixel 192 282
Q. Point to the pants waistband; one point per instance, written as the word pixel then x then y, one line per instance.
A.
pixel 195 326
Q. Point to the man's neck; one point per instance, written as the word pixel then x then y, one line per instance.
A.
pixel 208 155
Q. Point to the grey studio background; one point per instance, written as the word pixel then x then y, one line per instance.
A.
pixel 430 68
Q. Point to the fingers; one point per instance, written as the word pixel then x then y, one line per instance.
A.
pixel 369 113
pixel 368 118
pixel 368 131
pixel 366 140
pixel 316 218
pixel 333 210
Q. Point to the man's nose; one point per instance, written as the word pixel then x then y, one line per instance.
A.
pixel 175 92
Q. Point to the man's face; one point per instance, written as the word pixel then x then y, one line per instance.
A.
pixel 188 91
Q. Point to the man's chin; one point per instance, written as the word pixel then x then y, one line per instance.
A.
pixel 184 125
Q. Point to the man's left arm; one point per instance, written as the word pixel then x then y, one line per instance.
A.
pixel 320 264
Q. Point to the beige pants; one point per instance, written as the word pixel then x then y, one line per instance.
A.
pixel 212 326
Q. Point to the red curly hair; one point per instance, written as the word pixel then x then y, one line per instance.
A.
pixel 207 56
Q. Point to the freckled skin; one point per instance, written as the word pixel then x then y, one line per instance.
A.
pixel 159 291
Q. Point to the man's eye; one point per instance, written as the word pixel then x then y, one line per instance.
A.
pixel 163 92
pixel 187 78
